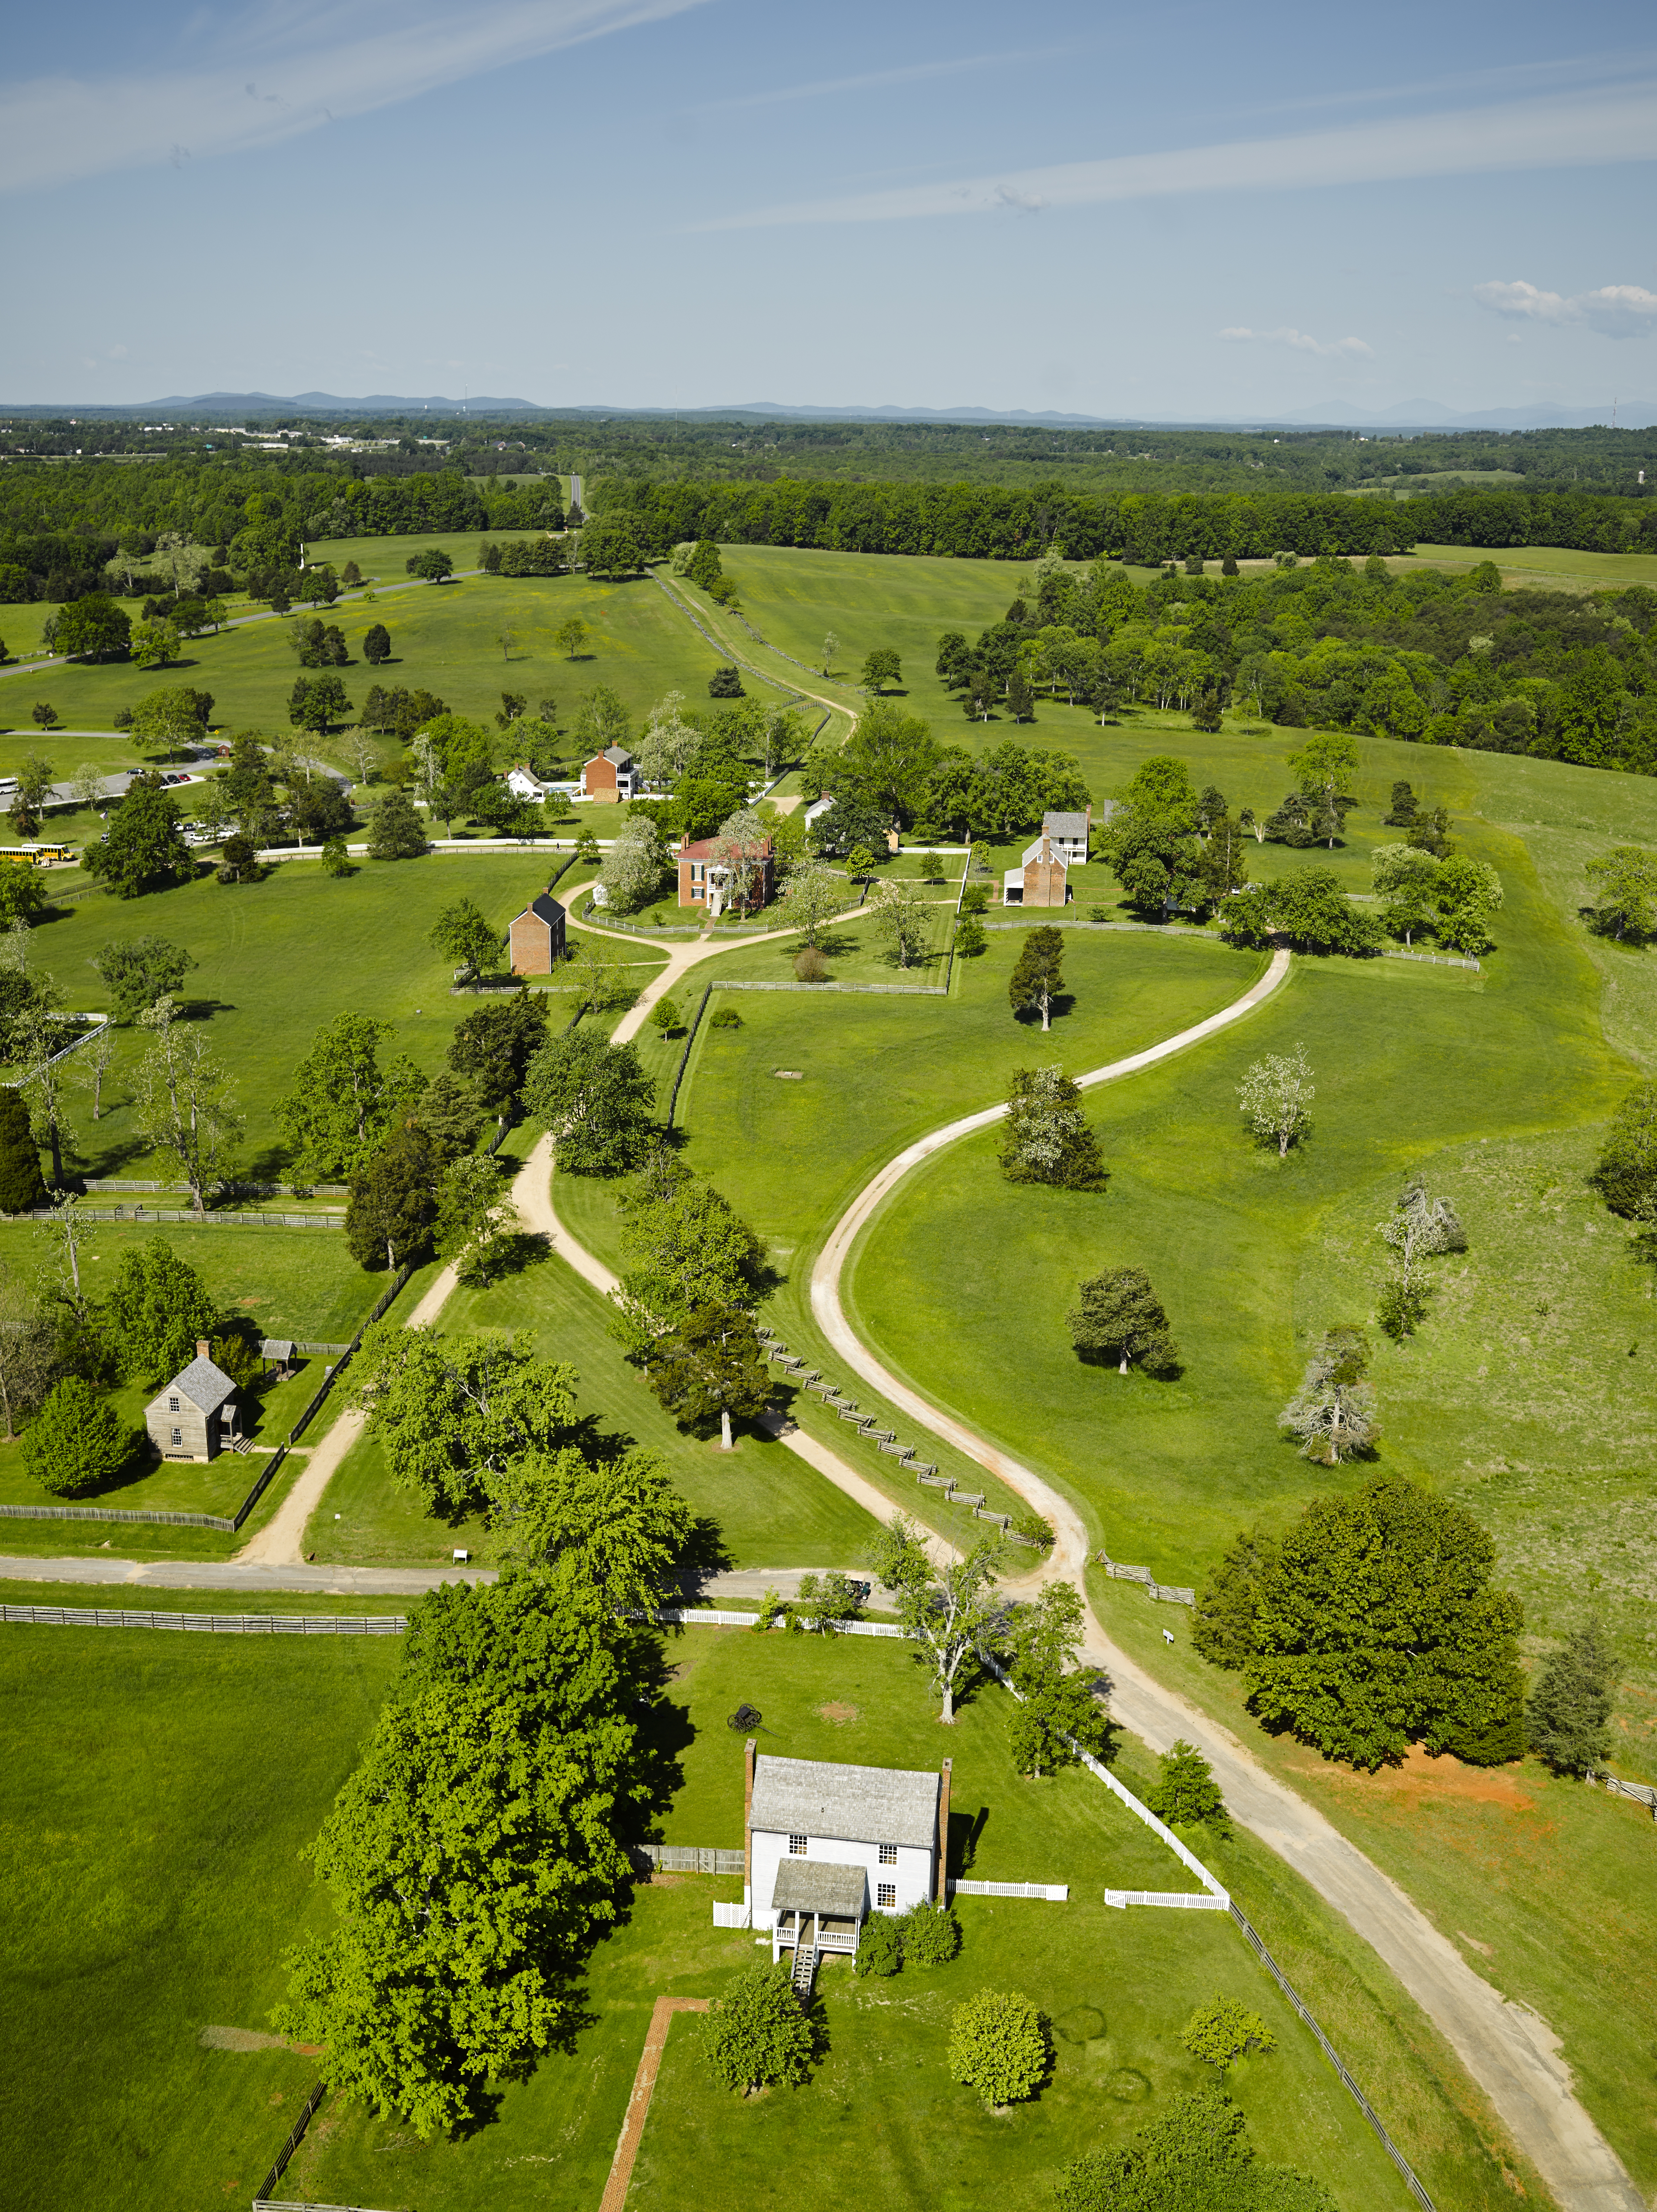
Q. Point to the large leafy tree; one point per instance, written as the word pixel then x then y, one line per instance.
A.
pixel 595 1099
pixel 464 933
pixel 155 1311
pixel 685 1248
pixel 143 847
pixel 453 1412
pixel 620 1524
pixel 78 1441
pixel 479 1847
pixel 344 1100
pixel 952 1610
pixel 1038 976
pixel 999 2046
pixel 1046 1137
pixel 708 1368
pixel 1117 1314
pixel 1625 1175
pixel 393 1205
pixel 93 627
pixel 136 971
pixel 493 1045
pixel 757 2032
pixel 1374 1626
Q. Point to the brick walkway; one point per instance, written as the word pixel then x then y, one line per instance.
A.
pixel 639 2104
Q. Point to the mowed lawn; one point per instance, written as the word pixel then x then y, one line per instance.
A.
pixel 159 1789
pixel 276 960
pixel 447 639
pixel 880 2117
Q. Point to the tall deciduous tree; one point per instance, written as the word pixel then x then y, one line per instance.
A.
pixel 1626 879
pixel 493 1045
pixel 757 2032
pixel 901 920
pixel 453 1412
pixel 596 1102
pixel 621 1525
pixel 1377 1627
pixel 143 847
pixel 953 1611
pixel 1625 1173
pixel 1333 1411
pixel 185 1099
pixel 1046 1139
pixel 29 1356
pixel 464 933
pixel 157 1310
pixel 136 971
pixel 1275 1096
pixel 344 1100
pixel 392 1208
pixel 395 829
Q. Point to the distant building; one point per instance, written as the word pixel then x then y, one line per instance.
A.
pixel 535 939
pixel 1069 834
pixel 522 783
pixel 705 880
pixel 197 1415
pixel 826 1846
pixel 609 777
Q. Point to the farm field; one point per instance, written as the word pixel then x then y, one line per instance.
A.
pixel 159 1789
pixel 1118 1984
pixel 276 960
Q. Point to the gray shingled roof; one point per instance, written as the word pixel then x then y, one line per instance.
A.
pixel 203 1384
pixel 1065 825
pixel 276 1347
pixel 618 754
pixel 819 1886
pixel 545 908
pixel 855 1804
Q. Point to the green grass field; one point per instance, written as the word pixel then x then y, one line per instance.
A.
pixel 881 2113
pixel 159 1789
pixel 275 961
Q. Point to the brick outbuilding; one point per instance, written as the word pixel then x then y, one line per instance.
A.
pixel 535 940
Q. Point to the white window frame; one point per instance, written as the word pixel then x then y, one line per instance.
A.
pixel 886 1894
pixel 798 1846
pixel 888 1854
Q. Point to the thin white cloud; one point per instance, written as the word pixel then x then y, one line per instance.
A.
pixel 883 80
pixel 1334 350
pixel 1575 130
pixel 1615 311
pixel 300 69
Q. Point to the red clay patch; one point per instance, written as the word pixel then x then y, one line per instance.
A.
pixel 838 1714
pixel 1444 1779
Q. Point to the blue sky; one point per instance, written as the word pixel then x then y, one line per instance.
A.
pixel 1190 211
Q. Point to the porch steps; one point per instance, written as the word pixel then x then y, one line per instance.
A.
pixel 805 1972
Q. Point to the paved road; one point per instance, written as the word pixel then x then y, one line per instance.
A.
pixel 1512 2053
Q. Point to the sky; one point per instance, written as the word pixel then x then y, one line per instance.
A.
pixel 1194 211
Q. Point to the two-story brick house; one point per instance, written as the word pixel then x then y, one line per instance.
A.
pixel 706 879
pixel 609 777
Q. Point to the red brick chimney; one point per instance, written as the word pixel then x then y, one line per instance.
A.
pixel 942 1897
pixel 203 1350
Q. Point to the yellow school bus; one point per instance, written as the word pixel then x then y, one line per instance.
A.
pixel 39 855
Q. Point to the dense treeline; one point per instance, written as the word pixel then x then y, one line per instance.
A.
pixel 747 448
pixel 1425 656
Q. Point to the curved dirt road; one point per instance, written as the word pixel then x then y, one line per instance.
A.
pixel 1512 2053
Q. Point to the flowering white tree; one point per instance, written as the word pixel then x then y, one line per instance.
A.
pixel 1275 1097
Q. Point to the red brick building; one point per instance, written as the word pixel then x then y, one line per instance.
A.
pixel 706 880
pixel 609 776
pixel 535 937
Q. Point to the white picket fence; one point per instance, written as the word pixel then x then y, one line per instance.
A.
pixel 1192 1900
pixel 707 1616
pixel 1053 1892
pixel 732 1916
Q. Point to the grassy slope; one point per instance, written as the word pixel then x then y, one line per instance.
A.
pixel 276 960
pixel 151 1884
pixel 1117 1985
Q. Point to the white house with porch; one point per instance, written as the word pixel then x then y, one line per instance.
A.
pixel 826 1846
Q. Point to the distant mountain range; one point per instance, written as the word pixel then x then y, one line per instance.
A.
pixel 1413 415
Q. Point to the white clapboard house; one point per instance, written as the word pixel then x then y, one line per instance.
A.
pixel 826 1846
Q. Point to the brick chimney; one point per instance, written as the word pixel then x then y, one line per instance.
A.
pixel 203 1350
pixel 942 1897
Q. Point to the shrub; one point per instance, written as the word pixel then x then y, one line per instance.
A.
pixel 998 2046
pixel 1222 2031
pixel 76 1442
pixel 1186 1793
pixel 1569 1714
pixel 665 1015
pixel 931 1934
pixel 726 684
pixel 756 2033
pixel 809 965
pixel 970 939
pixel 1034 1527
pixel 880 1948
pixel 726 1018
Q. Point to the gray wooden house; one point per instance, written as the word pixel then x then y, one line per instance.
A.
pixel 198 1415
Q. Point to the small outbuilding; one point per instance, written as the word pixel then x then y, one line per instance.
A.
pixel 198 1415
pixel 826 1846
pixel 277 1353
pixel 535 940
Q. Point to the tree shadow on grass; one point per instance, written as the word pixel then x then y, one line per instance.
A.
pixel 1063 1003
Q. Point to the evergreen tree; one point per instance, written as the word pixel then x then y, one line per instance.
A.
pixel 376 645
pixel 725 682
pixel 1119 1313
pixel 1186 1793
pixel 394 1204
pixel 709 1368
pixel 396 831
pixel 1569 1716
pixel 22 1188
pixel 1038 975
pixel 76 1442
